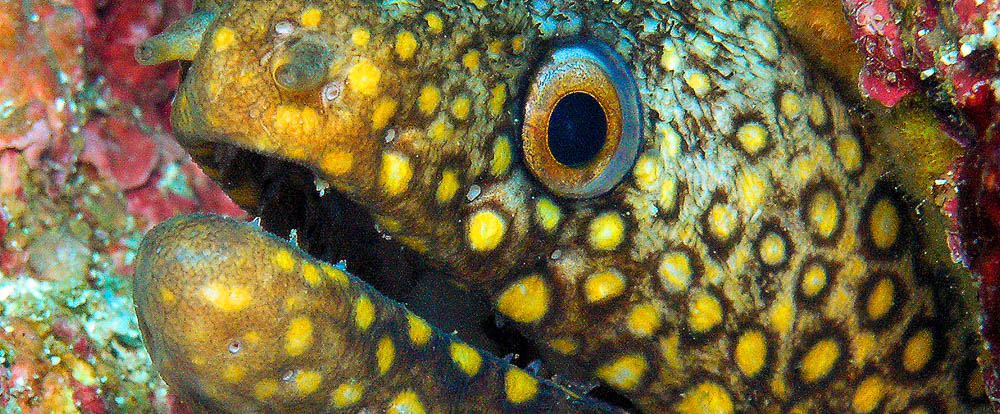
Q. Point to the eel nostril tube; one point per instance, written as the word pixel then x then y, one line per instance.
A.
pixel 180 41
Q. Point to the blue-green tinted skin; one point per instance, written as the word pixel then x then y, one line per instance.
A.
pixel 756 257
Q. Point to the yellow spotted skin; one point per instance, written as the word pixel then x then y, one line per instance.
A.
pixel 307 354
pixel 767 262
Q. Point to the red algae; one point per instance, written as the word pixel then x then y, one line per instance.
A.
pixel 87 163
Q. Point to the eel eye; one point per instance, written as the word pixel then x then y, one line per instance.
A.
pixel 301 67
pixel 582 120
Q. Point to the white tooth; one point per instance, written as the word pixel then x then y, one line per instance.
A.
pixel 256 222
pixel 293 237
pixel 474 191
pixel 321 186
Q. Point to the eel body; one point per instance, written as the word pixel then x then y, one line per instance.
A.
pixel 754 258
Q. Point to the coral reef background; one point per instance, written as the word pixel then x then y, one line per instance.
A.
pixel 87 164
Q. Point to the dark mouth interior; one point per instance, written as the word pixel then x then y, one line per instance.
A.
pixel 334 228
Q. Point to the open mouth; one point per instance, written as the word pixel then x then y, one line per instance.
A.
pixel 289 200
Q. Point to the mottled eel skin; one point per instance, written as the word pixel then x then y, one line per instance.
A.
pixel 754 258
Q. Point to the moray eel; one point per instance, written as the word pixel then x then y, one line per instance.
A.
pixel 659 194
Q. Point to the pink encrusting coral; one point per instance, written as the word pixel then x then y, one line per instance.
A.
pixel 87 164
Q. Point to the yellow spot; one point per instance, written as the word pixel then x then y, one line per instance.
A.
pixel 669 58
pixel 406 44
pixel 675 271
pixel 498 97
pixel 283 258
pixel 166 296
pixel 479 4
pixel 299 336
pixel 396 173
pixel 440 130
pixel 750 352
pixel 385 108
pixel 385 352
pixel 360 36
pixel 782 316
pixel 884 224
pixel 813 280
pixel 624 373
pixel 419 332
pixel 647 172
pixel 460 108
pixel 466 357
pixel 406 402
pixel 447 187
pixel 670 141
pixel 817 111
pixel 311 274
pixel 849 152
pixel 868 394
pixel 824 216
pixel 918 350
pixel 434 22
pixel 668 194
pixel 252 337
pixel 705 313
pixel 501 156
pixel 308 381
pixel 790 104
pixel 754 188
pixel 233 373
pixel 643 320
pixel 364 77
pixel 517 44
pixel 264 389
pixel 819 360
pixel 722 221
pixel 311 17
pixel 526 300
pixel 346 395
pixel 471 60
pixel 495 47
pixel 607 231
pixel 485 230
pixel 227 298
pixel 337 162
pixel 564 346
pixel 706 398
pixel 224 37
pixel 548 214
pixel 335 274
pixel 603 285
pixel 294 121
pixel 881 299
pixel 698 82
pixel 772 249
pixel 364 313
pixel 428 100
pixel 520 386
pixel 753 137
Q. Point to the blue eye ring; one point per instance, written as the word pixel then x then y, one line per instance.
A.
pixel 587 72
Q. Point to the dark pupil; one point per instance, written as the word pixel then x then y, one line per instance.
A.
pixel 577 129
